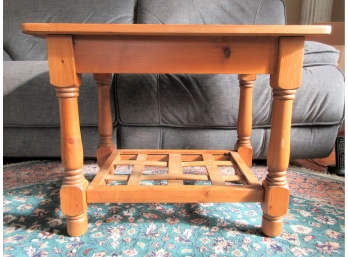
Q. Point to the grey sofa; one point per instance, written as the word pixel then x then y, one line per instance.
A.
pixel 160 110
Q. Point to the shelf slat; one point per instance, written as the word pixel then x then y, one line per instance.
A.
pixel 133 191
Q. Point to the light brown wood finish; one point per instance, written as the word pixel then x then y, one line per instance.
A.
pixel 175 194
pixel 244 169
pixel 245 118
pixel 284 84
pixel 106 146
pixel 61 61
pixel 213 170
pixel 137 172
pixel 73 190
pixel 240 49
pixel 231 178
pixel 44 29
pixel 337 35
pixel 106 169
pixel 109 48
pixel 64 77
pixel 174 168
pixel 174 161
pixel 122 54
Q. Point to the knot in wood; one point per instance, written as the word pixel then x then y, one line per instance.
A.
pixel 226 51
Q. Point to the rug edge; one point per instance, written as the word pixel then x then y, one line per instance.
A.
pixel 320 174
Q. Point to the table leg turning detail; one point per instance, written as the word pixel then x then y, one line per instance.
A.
pixel 73 190
pixel 284 84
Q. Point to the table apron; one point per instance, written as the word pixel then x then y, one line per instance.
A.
pixel 176 54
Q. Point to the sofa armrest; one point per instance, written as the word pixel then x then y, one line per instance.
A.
pixel 316 53
pixel 6 56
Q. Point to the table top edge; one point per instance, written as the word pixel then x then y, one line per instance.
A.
pixel 43 29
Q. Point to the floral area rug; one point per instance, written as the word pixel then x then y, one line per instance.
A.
pixel 33 224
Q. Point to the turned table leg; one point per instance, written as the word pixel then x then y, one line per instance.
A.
pixel 73 190
pixel 67 81
pixel 277 192
pixel 284 84
pixel 106 146
pixel 245 119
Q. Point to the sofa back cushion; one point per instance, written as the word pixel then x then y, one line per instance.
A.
pixel 194 100
pixel 22 47
pixel 211 12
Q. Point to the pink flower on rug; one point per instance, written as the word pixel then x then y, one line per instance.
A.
pixel 319 187
pixel 40 213
pixel 172 220
pixel 297 251
pixel 333 234
pixel 325 220
pixel 130 252
pixel 337 194
pixel 199 221
pixel 8 218
pixel 149 215
pixel 328 247
pixel 292 238
pixel 296 179
pixel 309 238
pixel 301 229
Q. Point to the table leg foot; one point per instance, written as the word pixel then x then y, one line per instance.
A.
pixel 275 205
pixel 74 202
pixel 78 225
pixel 272 226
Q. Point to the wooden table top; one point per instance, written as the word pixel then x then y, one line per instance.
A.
pixel 43 29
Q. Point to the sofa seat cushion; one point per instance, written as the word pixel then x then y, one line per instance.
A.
pixel 30 100
pixel 211 101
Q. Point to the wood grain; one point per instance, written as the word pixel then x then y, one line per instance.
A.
pixel 43 29
pixel 213 170
pixel 289 63
pixel 61 61
pixel 174 194
pixel 245 117
pixel 105 128
pixel 174 168
pixel 137 172
pixel 159 54
pixel 104 49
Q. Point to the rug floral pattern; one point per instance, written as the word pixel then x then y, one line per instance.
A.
pixel 35 226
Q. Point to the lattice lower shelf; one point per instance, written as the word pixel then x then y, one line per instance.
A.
pixel 153 176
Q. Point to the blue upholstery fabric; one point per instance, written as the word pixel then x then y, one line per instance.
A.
pixel 160 110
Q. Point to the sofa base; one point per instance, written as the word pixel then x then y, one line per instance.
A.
pixel 321 139
pixel 18 142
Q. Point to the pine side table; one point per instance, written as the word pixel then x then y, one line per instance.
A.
pixel 247 50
